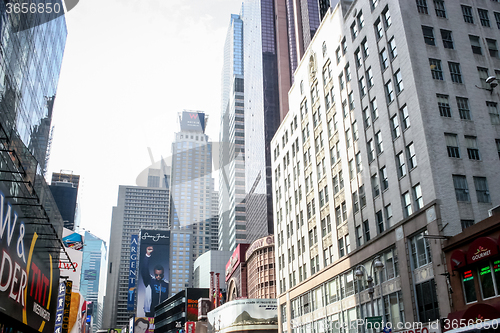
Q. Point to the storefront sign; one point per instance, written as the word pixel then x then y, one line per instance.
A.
pixel 60 307
pixel 67 307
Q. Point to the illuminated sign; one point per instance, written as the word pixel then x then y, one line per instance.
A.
pixel 132 274
pixel 468 276
pixel 485 270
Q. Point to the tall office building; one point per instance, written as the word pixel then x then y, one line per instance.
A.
pixel 138 207
pixel 64 189
pixel 93 279
pixel 232 216
pixel 30 63
pixel 390 146
pixel 192 188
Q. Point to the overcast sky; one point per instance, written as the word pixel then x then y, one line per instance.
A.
pixel 129 67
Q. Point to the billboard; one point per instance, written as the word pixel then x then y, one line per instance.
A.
pixel 132 273
pixel 193 121
pixel 154 262
pixel 29 278
pixel 72 240
pixel 245 314
pixel 66 269
pixel 144 325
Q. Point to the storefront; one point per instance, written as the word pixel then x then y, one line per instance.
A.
pixel 473 259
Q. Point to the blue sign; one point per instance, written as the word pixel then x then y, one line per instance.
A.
pixel 132 274
pixel 60 307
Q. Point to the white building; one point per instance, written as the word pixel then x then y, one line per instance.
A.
pixel 391 144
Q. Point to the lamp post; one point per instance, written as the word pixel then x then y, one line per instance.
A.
pixel 360 272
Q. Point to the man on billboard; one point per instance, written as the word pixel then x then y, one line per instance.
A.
pixel 141 325
pixel 156 282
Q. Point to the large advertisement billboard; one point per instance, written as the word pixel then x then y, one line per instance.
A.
pixel 132 273
pixel 72 270
pixel 154 273
pixel 193 121
pixel 243 315
pixel 29 278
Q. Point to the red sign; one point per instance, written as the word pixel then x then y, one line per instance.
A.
pixel 237 257
pixel 190 327
pixel 481 248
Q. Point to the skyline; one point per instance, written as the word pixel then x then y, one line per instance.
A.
pixel 119 153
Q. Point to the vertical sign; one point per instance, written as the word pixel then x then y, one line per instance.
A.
pixel 132 275
pixel 60 307
pixel 67 307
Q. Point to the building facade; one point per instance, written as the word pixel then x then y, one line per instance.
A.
pixel 30 63
pixel 261 282
pixel 380 158
pixel 232 212
pixel 137 208
pixel 93 279
pixel 211 261
pixel 64 189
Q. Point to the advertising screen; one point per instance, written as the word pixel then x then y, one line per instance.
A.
pixel 154 274
pixel 193 121
pixel 144 325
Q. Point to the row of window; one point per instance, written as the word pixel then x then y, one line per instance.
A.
pixel 462 188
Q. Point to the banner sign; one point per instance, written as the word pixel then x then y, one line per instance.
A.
pixel 67 306
pixel 28 277
pixel 193 121
pixel 132 274
pixel 90 274
pixel 60 307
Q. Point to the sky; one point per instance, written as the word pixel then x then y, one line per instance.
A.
pixel 129 67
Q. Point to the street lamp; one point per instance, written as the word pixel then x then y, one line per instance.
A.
pixel 360 272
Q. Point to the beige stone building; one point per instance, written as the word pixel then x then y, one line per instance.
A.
pixel 390 146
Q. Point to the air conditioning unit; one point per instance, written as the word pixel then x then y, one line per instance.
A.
pixel 494 211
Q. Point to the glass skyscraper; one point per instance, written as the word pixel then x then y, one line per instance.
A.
pixel 93 268
pixel 232 215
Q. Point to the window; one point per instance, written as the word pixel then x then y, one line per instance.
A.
pixel 341 81
pixel 362 196
pixel 361 20
pixel 357 57
pixel 384 181
pixel 463 108
pixel 364 48
pixel 483 75
pixel 359 165
pixel 350 98
pixel 472 150
pixel 440 9
pixel 338 215
pixel 362 89
pixel 369 77
pixel 341 248
pixel 455 72
pixel 492 47
pixel 467 13
pixel 461 188
pixel 337 55
pixel 348 137
pixel 374 4
pixel 452 145
pixel 379 29
pixel 398 78
pixel 482 192
pixel 354 31
pixel 493 110
pixel 347 70
pixel 366 230
pixel 392 47
pixel 387 17
pixel 475 44
pixel 359 236
pixel 436 71
pixel 395 127
pixel 497 142
pixel 405 117
pixel 355 135
pixel 447 39
pixel 420 250
pixel 417 194
pixel 341 179
pixel 366 117
pixel 380 221
pixel 344 211
pixel 375 186
pixel 466 223
pixel 497 18
pixel 443 105
pixel 483 17
pixel 422 6
pixel 388 215
pixel 400 163
pixel 384 60
pixel 378 142
pixel 407 211
pixel 427 303
pixel 344 46
pixel 428 35
pixel 389 91
pixel 374 108
pixel 412 157
pixel 355 202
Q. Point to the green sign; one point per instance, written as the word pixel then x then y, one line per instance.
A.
pixel 373 322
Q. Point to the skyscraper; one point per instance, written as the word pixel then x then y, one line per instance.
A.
pixel 93 279
pixel 192 189
pixel 389 148
pixel 232 215
pixel 138 207
pixel 64 189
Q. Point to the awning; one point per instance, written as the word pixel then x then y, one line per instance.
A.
pixel 481 248
pixel 457 259
pixel 476 312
